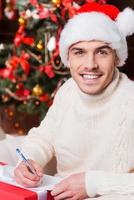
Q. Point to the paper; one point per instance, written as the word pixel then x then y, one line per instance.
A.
pixel 6 173
pixel 7 176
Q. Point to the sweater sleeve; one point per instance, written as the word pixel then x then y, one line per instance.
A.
pixel 100 183
pixel 39 143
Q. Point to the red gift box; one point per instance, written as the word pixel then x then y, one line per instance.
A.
pixel 49 196
pixel 8 192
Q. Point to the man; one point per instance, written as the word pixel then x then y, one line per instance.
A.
pixel 89 127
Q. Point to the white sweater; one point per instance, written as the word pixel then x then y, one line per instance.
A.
pixel 92 134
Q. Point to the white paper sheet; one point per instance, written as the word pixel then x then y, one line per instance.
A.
pixel 48 182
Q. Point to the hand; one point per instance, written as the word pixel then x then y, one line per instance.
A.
pixel 24 177
pixel 71 188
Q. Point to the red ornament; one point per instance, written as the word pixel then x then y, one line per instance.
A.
pixel 67 2
pixel 21 29
pixel 28 41
pixel 13 63
pixel 20 38
pixel 24 63
pixel 45 97
pixel 21 91
pixel 43 12
pixel 34 2
pixel 7 73
pixel 68 6
pixel 53 17
pixel 49 71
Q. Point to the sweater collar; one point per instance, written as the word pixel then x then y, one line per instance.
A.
pixel 104 95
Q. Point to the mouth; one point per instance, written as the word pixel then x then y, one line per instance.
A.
pixel 91 77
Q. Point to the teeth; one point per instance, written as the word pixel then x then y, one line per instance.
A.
pixel 90 76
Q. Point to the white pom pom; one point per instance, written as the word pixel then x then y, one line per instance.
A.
pixel 51 44
pixel 125 22
pixel 2 46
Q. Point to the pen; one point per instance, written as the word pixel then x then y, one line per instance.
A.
pixel 28 164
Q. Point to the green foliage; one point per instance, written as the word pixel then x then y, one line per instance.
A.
pixel 31 64
pixel 5 52
pixel 21 4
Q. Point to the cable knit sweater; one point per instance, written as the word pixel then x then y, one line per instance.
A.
pixel 92 134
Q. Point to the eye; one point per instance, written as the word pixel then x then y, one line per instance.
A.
pixel 104 52
pixel 79 52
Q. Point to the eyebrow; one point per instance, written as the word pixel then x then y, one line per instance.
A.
pixel 104 47
pixel 75 48
pixel 98 48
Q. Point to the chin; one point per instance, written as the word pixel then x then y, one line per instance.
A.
pixel 91 91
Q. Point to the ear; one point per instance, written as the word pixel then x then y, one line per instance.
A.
pixel 117 61
pixel 68 64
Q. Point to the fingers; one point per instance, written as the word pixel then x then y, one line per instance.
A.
pixel 25 171
pixel 38 168
pixel 71 188
pixel 24 177
pixel 64 195
pixel 58 189
pixel 20 179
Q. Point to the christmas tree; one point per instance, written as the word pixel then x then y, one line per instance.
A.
pixel 33 72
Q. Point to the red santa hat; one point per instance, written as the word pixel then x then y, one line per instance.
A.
pixel 94 21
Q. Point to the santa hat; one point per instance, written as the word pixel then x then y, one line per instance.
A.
pixel 94 21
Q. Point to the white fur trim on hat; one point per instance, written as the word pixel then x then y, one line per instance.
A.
pixel 125 22
pixel 96 26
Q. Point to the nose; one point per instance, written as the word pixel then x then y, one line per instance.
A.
pixel 90 63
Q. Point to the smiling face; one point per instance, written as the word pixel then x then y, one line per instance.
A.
pixel 92 65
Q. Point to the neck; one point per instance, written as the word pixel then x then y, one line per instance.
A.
pixel 104 95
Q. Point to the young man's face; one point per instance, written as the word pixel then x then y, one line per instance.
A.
pixel 92 65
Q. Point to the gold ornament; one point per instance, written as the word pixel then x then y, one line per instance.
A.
pixel 10 113
pixel 56 2
pixel 21 21
pixel 37 90
pixel 20 132
pixel 16 124
pixel 40 45
pixel 5 98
